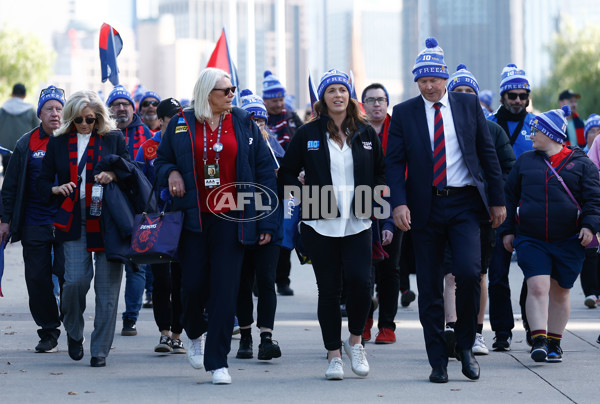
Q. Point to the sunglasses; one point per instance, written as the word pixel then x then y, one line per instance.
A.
pixel 148 103
pixel 513 96
pixel 226 90
pixel 88 119
pixel 53 90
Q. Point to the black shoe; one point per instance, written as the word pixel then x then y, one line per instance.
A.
pixel 147 302
pixel 470 366
pixel 554 351
pixel 539 350
pixel 245 349
pixel 439 374
pixel 502 342
pixel 450 341
pixel 75 348
pixel 598 340
pixel 268 349
pixel 407 297
pixel 128 328
pixel 97 362
pixel 285 290
pixel 47 344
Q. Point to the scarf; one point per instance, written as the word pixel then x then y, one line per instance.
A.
pixel 278 124
pixel 64 217
pixel 504 115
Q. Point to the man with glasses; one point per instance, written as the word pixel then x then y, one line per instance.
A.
pixel 513 117
pixel 147 110
pixel 390 281
pixel 575 125
pixel 30 220
pixel 16 118
pixel 121 106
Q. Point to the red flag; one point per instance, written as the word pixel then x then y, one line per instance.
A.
pixel 221 59
pixel 110 47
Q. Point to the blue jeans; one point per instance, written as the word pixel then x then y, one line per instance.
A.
pixel 135 283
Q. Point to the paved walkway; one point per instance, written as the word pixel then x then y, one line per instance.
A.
pixel 399 372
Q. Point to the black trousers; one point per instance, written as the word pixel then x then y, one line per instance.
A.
pixel 590 273
pixel 38 247
pixel 166 296
pixel 284 267
pixel 387 278
pixel 334 258
pixel 262 262
pixel 211 264
pixel 407 261
pixel 454 220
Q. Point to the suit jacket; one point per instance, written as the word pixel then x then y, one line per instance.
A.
pixel 409 158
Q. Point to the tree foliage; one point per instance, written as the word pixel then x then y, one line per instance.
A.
pixel 575 54
pixel 24 58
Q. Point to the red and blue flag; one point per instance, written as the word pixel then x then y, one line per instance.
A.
pixel 111 45
pixel 312 91
pixel 221 59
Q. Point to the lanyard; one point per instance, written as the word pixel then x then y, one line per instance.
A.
pixel 217 147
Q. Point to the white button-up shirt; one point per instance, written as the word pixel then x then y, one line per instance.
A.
pixel 82 142
pixel 342 177
pixel 457 173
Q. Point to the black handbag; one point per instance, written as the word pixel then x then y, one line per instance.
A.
pixel 155 236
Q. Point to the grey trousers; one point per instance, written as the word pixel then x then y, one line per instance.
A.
pixel 79 271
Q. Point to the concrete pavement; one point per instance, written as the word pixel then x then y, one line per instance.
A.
pixel 399 372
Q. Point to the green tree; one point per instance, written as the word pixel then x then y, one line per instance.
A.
pixel 24 58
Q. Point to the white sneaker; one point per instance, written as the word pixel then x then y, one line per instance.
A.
pixel 195 351
pixel 357 354
pixel 221 376
pixel 590 301
pixel 335 371
pixel 479 347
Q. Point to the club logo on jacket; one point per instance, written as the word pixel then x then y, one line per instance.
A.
pixel 181 128
pixel 312 145
pixel 570 166
pixel 39 154
pixel 367 145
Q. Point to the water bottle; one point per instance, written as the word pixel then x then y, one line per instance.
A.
pixel 96 205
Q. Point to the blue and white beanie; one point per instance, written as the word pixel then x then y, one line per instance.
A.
pixel 50 93
pixel 149 94
pixel 513 78
pixel 553 123
pixel 430 62
pixel 593 121
pixel 463 77
pixel 330 77
pixel 119 92
pixel 272 87
pixel 253 104
pixel 485 96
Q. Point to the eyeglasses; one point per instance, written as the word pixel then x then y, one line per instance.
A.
pixel 513 96
pixel 117 105
pixel 226 90
pixel 53 90
pixel 88 119
pixel 148 103
pixel 372 101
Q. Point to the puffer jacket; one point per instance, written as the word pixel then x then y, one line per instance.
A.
pixel 538 206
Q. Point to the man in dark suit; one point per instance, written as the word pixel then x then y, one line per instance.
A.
pixel 438 144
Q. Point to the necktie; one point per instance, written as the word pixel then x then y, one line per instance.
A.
pixel 439 149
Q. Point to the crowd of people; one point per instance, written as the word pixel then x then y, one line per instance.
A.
pixel 465 187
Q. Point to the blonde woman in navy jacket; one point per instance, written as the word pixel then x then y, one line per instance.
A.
pixel 338 148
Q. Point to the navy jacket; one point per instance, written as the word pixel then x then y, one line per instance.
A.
pixel 56 164
pixel 254 164
pixel 409 148
pixel 309 149
pixel 537 204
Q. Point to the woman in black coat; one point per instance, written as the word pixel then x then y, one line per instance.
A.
pixel 86 135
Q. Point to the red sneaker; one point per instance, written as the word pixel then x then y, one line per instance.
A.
pixel 385 336
pixel 367 332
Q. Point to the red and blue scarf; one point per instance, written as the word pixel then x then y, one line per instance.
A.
pixel 64 217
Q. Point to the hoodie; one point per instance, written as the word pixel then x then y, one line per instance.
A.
pixel 16 118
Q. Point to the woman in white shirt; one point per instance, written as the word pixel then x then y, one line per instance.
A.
pixel 344 172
